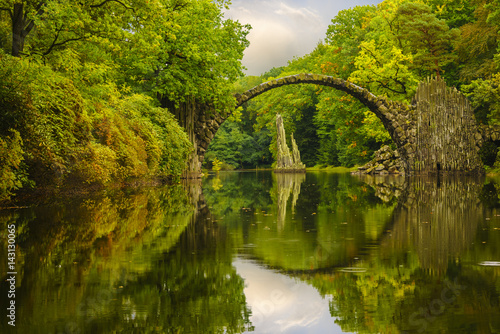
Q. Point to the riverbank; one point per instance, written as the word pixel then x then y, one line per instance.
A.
pixel 332 169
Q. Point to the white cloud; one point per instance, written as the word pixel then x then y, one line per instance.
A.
pixel 303 16
pixel 271 44
pixel 282 30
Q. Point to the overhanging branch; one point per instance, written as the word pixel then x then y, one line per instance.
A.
pixel 106 1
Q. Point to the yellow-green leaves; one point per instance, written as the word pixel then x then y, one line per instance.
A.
pixel 11 156
pixel 384 68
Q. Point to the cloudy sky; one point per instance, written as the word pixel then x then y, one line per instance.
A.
pixel 283 29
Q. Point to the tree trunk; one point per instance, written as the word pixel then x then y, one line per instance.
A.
pixel 186 115
pixel 18 32
pixel 21 26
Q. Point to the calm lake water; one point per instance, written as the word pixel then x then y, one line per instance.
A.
pixel 263 253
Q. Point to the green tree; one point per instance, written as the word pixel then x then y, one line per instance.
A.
pixel 382 65
pixel 478 46
pixel 343 36
pixel 235 147
pixel 188 52
pixel 40 27
pixel 428 38
pixel 455 13
pixel 345 127
pixel 484 95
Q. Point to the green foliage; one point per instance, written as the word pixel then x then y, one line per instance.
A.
pixel 216 165
pixel 428 38
pixel 187 50
pixel 404 43
pixel 66 136
pixel 484 95
pixel 477 49
pixel 11 171
pixel 235 148
pixel 344 36
pixel 455 13
pixel 82 82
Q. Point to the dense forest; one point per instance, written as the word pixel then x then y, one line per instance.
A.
pixel 81 84
pixel 387 49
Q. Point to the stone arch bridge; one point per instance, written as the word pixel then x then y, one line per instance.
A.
pixel 437 132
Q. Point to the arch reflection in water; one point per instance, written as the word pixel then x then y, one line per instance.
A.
pixel 299 224
pixel 422 276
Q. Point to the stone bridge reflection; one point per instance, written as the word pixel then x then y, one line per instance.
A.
pixel 431 271
pixel 432 234
pixel 437 217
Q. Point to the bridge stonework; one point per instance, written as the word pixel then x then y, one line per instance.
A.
pixel 437 132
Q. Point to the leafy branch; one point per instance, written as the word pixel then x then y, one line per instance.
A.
pixel 107 1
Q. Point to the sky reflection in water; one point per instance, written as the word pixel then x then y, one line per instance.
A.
pixel 281 304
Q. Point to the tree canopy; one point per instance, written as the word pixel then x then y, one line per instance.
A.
pixel 82 82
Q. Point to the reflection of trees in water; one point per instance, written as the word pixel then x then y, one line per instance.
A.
pixel 239 191
pixel 144 259
pixel 193 288
pixel 287 184
pixel 64 248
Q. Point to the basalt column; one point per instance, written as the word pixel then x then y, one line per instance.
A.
pixel 200 122
pixel 447 135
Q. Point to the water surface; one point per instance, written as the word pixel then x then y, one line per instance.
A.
pixel 263 253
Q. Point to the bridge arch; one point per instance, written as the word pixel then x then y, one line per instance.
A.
pixel 361 94
pixel 391 113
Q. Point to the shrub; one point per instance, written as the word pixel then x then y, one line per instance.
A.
pixel 11 156
pixel 63 133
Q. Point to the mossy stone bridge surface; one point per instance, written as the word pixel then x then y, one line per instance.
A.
pixel 437 132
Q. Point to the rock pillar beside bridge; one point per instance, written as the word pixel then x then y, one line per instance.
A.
pixel 447 136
